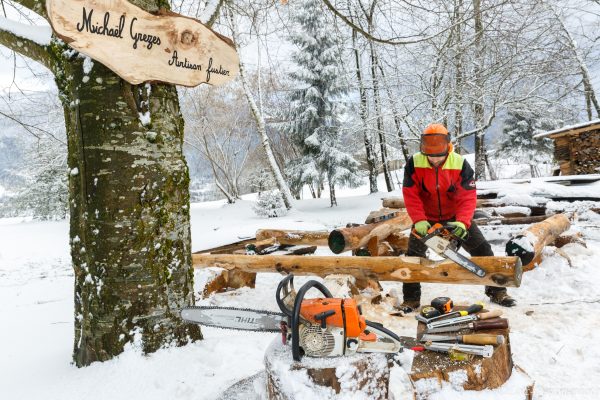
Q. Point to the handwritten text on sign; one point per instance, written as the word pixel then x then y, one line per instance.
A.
pixel 142 47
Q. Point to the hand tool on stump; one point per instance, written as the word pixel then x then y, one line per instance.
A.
pixel 463 319
pixel 485 351
pixel 481 339
pixel 473 308
pixel 494 323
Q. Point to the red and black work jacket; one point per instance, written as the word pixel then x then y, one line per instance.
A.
pixel 441 193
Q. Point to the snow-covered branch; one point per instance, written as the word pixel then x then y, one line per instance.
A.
pixel 27 40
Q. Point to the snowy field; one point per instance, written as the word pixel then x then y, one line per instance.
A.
pixel 554 328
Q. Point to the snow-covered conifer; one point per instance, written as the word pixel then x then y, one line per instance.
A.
pixel 315 107
pixel 270 205
pixel 518 143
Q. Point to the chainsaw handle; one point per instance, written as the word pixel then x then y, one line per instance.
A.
pixel 296 313
pixel 287 285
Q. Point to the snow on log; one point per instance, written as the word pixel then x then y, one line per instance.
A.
pixel 345 239
pixel 364 376
pixel 528 244
pixel 315 238
pixel 501 271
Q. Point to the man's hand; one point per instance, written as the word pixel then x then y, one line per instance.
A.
pixel 422 227
pixel 459 230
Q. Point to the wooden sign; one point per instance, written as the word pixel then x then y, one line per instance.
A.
pixel 142 47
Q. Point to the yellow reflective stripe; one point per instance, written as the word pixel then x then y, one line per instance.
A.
pixel 454 161
pixel 421 161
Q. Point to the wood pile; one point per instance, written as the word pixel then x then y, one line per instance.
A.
pixel 585 153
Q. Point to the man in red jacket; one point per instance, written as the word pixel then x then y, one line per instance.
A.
pixel 439 186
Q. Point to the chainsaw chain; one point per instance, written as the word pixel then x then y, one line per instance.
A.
pixel 279 314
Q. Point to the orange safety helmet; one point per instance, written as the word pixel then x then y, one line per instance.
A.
pixel 435 141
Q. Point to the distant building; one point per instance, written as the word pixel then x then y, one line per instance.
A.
pixel 576 148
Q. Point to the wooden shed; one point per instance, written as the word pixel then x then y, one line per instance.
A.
pixel 576 147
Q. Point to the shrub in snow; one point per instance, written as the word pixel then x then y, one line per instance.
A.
pixel 270 205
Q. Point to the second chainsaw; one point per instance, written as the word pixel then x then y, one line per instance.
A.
pixel 443 242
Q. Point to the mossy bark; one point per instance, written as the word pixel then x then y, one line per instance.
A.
pixel 129 201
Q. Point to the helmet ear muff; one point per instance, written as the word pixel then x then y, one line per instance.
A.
pixel 450 147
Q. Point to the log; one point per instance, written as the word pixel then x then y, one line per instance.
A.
pixel 225 280
pixel 394 203
pixel 501 271
pixel 512 221
pixel 398 241
pixel 314 238
pixel 569 237
pixel 528 244
pixel 381 215
pixel 264 246
pixel 364 376
pixel 345 239
pixel 301 250
pixel 228 248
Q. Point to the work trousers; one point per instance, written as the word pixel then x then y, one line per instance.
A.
pixel 475 245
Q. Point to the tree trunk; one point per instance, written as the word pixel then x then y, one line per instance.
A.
pixel 371 162
pixel 332 199
pixel 262 130
pixel 380 127
pixel 396 114
pixel 478 106
pixel 130 222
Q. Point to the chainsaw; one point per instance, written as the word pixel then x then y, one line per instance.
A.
pixel 443 242
pixel 320 327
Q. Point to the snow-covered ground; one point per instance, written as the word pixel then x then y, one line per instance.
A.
pixel 554 328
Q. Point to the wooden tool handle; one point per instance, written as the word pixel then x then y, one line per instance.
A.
pixel 490 314
pixel 497 323
pixel 482 339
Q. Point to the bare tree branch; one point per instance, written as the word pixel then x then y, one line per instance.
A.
pixel 37 6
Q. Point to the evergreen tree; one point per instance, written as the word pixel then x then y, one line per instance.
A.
pixel 315 108
pixel 518 143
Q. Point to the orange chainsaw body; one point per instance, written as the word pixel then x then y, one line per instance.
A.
pixel 354 325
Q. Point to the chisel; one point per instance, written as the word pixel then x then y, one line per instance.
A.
pixel 484 351
pixel 467 339
pixel 496 323
pixel 463 319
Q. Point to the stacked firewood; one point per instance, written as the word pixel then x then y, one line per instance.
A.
pixel 585 155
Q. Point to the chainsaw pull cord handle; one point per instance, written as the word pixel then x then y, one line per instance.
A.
pixel 296 313
pixel 284 283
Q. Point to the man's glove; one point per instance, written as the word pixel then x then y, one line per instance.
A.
pixel 459 230
pixel 422 227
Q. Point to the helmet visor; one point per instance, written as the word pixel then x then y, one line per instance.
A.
pixel 435 144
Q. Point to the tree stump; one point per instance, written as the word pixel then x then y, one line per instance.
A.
pixel 364 375
pixel 431 371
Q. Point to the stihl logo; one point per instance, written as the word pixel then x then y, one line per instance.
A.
pixel 246 320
